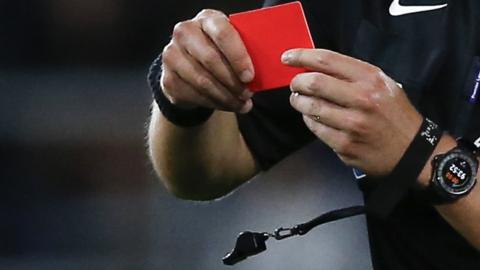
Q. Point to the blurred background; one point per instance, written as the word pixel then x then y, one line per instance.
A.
pixel 77 190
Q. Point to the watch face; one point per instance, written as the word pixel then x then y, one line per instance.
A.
pixel 456 173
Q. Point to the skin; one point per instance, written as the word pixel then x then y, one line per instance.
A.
pixel 362 114
pixel 205 64
pixel 369 122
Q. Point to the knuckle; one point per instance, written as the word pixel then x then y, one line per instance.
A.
pixel 221 33
pixel 205 12
pixel 357 124
pixel 239 61
pixel 366 99
pixel 374 69
pixel 167 82
pixel 375 77
pixel 210 58
pixel 209 13
pixel 315 107
pixel 323 57
pixel 181 29
pixel 168 54
pixel 203 82
pixel 316 81
pixel 344 146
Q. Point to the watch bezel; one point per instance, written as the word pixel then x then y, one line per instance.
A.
pixel 441 183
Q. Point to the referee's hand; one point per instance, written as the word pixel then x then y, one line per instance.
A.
pixel 354 108
pixel 206 64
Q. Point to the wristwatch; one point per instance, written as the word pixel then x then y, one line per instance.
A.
pixel 453 174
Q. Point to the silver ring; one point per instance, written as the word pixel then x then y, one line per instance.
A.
pixel 316 118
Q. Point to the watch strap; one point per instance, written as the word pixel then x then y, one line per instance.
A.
pixel 468 145
pixel 394 187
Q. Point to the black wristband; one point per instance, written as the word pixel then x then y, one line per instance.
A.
pixel 469 145
pixel 393 188
pixel 174 114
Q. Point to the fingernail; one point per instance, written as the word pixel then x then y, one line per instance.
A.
pixel 287 56
pixel 246 76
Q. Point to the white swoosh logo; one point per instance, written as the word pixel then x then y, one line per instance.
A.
pixel 477 143
pixel 396 9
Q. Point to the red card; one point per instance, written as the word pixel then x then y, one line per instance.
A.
pixel 267 34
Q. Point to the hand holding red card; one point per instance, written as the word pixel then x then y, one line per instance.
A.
pixel 267 34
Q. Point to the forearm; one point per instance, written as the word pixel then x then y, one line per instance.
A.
pixel 202 162
pixel 464 214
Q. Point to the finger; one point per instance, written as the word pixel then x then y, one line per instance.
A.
pixel 189 70
pixel 327 87
pixel 338 140
pixel 181 93
pixel 247 107
pixel 229 42
pixel 333 63
pixel 189 36
pixel 324 112
pixel 189 93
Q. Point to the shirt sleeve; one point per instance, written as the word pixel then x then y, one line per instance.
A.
pixel 273 129
pixel 472 132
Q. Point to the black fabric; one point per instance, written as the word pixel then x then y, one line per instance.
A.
pixel 431 54
pixel 273 129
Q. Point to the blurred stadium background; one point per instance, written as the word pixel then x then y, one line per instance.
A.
pixel 77 190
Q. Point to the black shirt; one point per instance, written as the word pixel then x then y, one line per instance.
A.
pixel 432 54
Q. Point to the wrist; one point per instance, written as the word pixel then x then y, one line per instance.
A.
pixel 396 185
pixel 446 143
pixel 179 115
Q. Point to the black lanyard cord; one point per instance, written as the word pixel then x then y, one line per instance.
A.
pixel 252 243
pixel 301 229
